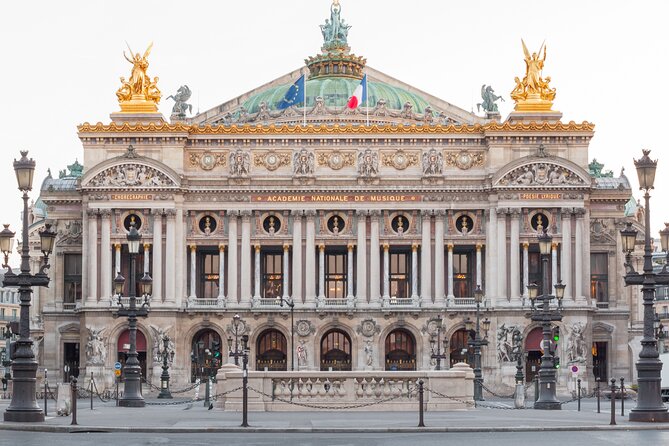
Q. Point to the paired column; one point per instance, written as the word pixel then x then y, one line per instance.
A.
pixel 321 272
pixel 374 262
pixel 565 269
pixel 361 288
pixel 514 256
pixel 554 265
pixel 386 273
pixel 256 275
pixel 106 255
pixel 170 256
pixel 158 255
pixel 578 258
pixel 245 273
pixel 310 260
pixel 479 266
pixel 414 270
pixel 297 257
pixel 286 267
pixel 526 267
pixel 181 258
pixel 450 272
pixel 221 271
pixel 501 255
pixel 349 278
pixel 585 285
pixel 232 257
pixel 147 254
pixel 425 259
pixel 491 257
pixel 92 296
pixel 439 300
pixel 117 259
pixel 193 265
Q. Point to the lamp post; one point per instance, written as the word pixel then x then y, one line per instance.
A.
pixel 132 396
pixel 245 380
pixel 291 305
pixel 235 353
pixel 165 376
pixel 477 343
pixel 649 402
pixel 545 315
pixel 23 407
pixel 436 346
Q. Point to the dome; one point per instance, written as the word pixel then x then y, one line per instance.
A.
pixel 336 91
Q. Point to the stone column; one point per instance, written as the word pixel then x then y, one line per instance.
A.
pixel 414 269
pixel 439 298
pixel 374 260
pixel 193 265
pixel 170 256
pixel 221 271
pixel 245 273
pixel 491 257
pixel 578 259
pixel 321 272
pixel 502 258
pixel 585 284
pixel 479 266
pixel 256 273
pixel 450 273
pixel 310 260
pixel 526 268
pixel 286 269
pixel 514 256
pixel 361 282
pixel 349 278
pixel 105 255
pixel 554 265
pixel 181 258
pixel 157 255
pixel 297 257
pixel 386 274
pixel 565 270
pixel 117 259
pixel 426 258
pixel 84 258
pixel 232 258
pixel 92 295
pixel 147 254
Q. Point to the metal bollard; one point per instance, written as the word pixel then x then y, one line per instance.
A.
pixel 599 394
pixel 420 404
pixel 206 392
pixel 117 380
pixel 46 395
pixel 91 390
pixel 578 382
pixel 73 396
pixel 536 388
pixel 613 401
pixel 622 397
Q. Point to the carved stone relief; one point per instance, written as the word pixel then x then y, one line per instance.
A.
pixel 541 174
pixel 271 160
pixel 240 163
pixel 131 174
pixel 207 160
pixel 400 160
pixel 464 159
pixel 336 160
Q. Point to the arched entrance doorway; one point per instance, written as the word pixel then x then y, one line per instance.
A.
pixel 123 347
pixel 533 343
pixel 205 354
pixel 335 351
pixel 400 350
pixel 272 351
pixel 459 348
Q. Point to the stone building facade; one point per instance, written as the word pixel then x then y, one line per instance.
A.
pixel 373 221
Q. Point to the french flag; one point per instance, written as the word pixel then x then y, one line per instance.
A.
pixel 359 95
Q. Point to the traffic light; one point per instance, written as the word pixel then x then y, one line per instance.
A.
pixel 4 384
pixel 556 335
pixel 556 362
pixel 216 347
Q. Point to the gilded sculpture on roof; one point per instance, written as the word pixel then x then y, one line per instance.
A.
pixel 139 94
pixel 532 93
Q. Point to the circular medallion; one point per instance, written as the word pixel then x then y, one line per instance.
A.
pixel 272 161
pixel 303 328
pixel 208 161
pixel 336 161
pixel 368 327
pixel 400 161
pixel 464 160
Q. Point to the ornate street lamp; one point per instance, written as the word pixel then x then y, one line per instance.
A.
pixel 291 304
pixel 132 396
pixel 649 402
pixel 542 313
pixel 23 406
pixel 6 244
pixel 435 345
pixel 477 343
pixel 165 376
pixel 235 353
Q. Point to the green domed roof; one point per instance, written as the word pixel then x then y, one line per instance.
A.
pixel 336 91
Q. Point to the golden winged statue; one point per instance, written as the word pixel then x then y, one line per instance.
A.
pixel 139 94
pixel 532 93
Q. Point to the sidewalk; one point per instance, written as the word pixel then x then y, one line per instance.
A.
pixel 182 417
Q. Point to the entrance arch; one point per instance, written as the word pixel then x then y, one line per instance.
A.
pixel 459 348
pixel 123 347
pixel 533 342
pixel 400 350
pixel 272 351
pixel 205 354
pixel 335 351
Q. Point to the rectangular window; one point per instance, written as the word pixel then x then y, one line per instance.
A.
pixel 72 278
pixel 336 269
pixel 463 277
pixel 13 314
pixel 534 266
pixel 209 278
pixel 400 273
pixel 271 274
pixel 599 277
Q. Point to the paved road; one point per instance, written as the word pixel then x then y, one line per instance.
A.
pixel 9 438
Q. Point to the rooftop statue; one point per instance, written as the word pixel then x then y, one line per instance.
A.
pixel 533 92
pixel 489 98
pixel 182 95
pixel 139 93
pixel 335 30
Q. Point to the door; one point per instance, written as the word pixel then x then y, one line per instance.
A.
pixel 599 361
pixel 70 360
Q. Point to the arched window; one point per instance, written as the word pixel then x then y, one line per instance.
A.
pixel 533 343
pixel 400 350
pixel 335 351
pixel 123 347
pixel 272 351
pixel 460 351
pixel 205 354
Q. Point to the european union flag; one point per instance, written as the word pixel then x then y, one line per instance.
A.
pixel 294 95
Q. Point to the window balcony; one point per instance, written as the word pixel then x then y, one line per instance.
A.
pixel 205 303
pixel 404 302
pixel 344 303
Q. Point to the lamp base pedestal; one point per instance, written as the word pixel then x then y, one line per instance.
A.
pixel 649 416
pixel 547 405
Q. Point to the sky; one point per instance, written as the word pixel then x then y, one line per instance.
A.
pixel 61 63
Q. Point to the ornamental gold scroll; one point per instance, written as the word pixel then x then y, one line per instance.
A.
pixel 533 94
pixel 139 94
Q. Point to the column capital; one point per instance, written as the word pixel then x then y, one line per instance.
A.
pixel 193 248
pixel 502 211
pixel 91 212
pixel 554 245
pixel 414 247
pixel 526 245
pixel 479 246
pixel 440 213
pixel 171 213
pixel 257 248
pixel 158 212
pixel 515 213
pixel 321 247
pixel 296 213
pixel 221 247
pixel 386 246
pixel 361 213
pixel 246 214
pixel 449 246
pixel 117 246
pixel 310 214
pixel 580 212
pixel 106 213
pixel 375 214
pixel 286 247
pixel 147 245
pixel 426 213
pixel 566 212
pixel 350 246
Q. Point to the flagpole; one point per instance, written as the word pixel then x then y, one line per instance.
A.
pixel 304 101
pixel 367 99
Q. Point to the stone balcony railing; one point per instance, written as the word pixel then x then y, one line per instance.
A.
pixel 356 390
